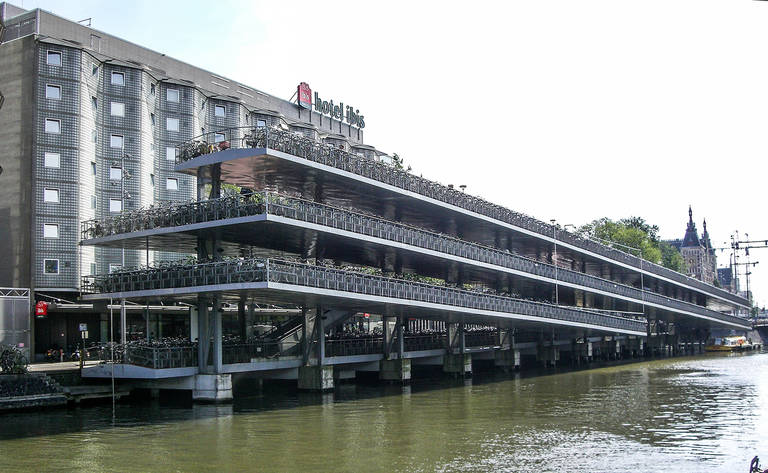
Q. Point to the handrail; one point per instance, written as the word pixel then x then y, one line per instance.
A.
pixel 258 203
pixel 327 154
pixel 301 274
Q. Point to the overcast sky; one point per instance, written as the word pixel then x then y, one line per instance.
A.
pixel 560 109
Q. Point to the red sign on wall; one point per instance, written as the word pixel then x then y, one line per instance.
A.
pixel 41 309
pixel 305 96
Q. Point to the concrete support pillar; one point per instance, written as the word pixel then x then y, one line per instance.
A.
pixel 217 337
pixel 242 322
pixel 507 359
pixel 204 338
pixel 398 370
pixel 456 340
pixel 316 378
pixel 212 388
pixel 458 364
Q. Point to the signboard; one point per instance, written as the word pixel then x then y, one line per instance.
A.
pixel 41 309
pixel 339 111
pixel 305 96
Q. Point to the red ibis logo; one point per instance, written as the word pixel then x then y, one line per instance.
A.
pixel 41 309
pixel 305 96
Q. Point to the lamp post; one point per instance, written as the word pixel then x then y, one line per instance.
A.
pixel 554 259
pixel 123 197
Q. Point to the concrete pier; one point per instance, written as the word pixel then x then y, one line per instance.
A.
pixel 459 364
pixel 398 370
pixel 316 378
pixel 212 388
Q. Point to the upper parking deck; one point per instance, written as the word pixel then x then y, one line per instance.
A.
pixel 269 157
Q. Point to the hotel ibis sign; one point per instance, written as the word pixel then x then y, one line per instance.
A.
pixel 337 110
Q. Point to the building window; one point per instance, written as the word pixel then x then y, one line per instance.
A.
pixel 117 109
pixel 116 141
pixel 94 103
pixel 50 230
pixel 53 92
pixel 172 124
pixel 261 123
pixel 115 205
pixel 93 269
pixel 95 136
pixel 170 153
pixel 93 168
pixel 220 111
pixel 219 137
pixel 52 126
pixel 52 160
pixel 152 118
pixel 172 95
pixel 94 70
pixel 152 89
pixel 152 180
pixel 50 195
pixel 118 78
pixel 172 184
pixel 54 58
pixel 51 266
pixel 93 201
pixel 115 173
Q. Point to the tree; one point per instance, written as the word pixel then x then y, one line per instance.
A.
pixel 636 237
pixel 398 163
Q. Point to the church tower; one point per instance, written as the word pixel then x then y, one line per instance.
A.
pixel 698 253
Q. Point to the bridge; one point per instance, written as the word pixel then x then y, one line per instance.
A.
pixel 347 234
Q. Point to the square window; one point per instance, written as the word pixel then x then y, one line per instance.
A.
pixel 53 92
pixel 261 123
pixel 220 111
pixel 93 168
pixel 117 109
pixel 50 195
pixel 50 230
pixel 219 137
pixel 52 160
pixel 52 126
pixel 115 205
pixel 172 95
pixel 93 201
pixel 116 141
pixel 115 173
pixel 118 78
pixel 51 266
pixel 54 58
pixel 170 153
pixel 172 184
pixel 172 124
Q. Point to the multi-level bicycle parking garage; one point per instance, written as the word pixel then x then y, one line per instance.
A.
pixel 335 232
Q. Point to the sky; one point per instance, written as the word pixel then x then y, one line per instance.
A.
pixel 560 109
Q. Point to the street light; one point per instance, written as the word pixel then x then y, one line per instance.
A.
pixel 554 260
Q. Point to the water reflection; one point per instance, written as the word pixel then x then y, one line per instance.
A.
pixel 683 415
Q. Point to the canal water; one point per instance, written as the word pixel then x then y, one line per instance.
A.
pixel 707 413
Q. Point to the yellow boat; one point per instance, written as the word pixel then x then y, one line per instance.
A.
pixel 736 343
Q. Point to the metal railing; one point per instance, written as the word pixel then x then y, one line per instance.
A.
pixel 259 203
pixel 303 147
pixel 294 273
pixel 354 346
